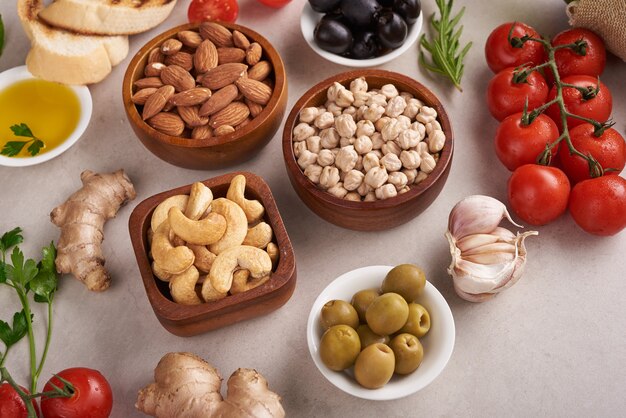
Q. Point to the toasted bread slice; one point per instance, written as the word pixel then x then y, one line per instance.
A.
pixel 65 57
pixel 107 17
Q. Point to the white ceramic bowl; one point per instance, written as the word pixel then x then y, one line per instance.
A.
pixel 438 343
pixel 9 77
pixel 309 19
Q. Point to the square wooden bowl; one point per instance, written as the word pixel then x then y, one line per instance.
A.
pixel 186 320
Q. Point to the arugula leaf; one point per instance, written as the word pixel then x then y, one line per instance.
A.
pixel 10 336
pixel 11 238
pixel 22 272
pixel 1 35
pixel 34 148
pixel 12 148
pixel 22 130
pixel 45 282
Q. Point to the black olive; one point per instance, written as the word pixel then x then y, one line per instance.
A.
pixel 408 9
pixel 333 36
pixel 365 46
pixel 324 6
pixel 360 13
pixel 391 29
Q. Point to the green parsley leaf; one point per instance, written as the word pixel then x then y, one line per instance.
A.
pixel 12 148
pixel 22 272
pixel 22 130
pixel 45 282
pixel 3 272
pixel 10 336
pixel 11 238
pixel 35 147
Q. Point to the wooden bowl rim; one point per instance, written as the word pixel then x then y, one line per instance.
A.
pixel 419 91
pixel 175 312
pixel 135 71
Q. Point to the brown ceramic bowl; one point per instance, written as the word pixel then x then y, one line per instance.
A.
pixel 215 152
pixel 185 320
pixel 381 214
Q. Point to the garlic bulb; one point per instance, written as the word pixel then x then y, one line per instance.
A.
pixel 486 258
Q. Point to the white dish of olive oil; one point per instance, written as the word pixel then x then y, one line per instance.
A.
pixel 39 117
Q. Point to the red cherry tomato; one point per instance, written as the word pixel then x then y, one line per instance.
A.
pixel 505 97
pixel 538 194
pixel 11 405
pixel 609 150
pixel 571 63
pixel 517 144
pixel 598 205
pixel 500 54
pixel 92 397
pixel 221 10
pixel 275 3
pixel 598 108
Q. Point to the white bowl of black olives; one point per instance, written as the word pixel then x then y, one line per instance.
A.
pixel 381 332
pixel 361 33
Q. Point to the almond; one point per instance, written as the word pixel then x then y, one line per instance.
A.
pixel 223 75
pixel 232 115
pixel 191 97
pixel 167 123
pixel 216 33
pixel 253 53
pixel 171 46
pixel 190 115
pixel 240 40
pixel 255 108
pixel 253 90
pixel 142 95
pixel 219 100
pixel 202 132
pixel 244 123
pixel 148 82
pixel 260 71
pixel 205 57
pixel 223 130
pixel 228 55
pixel 182 59
pixel 178 77
pixel 189 38
pixel 155 55
pixel 153 69
pixel 156 102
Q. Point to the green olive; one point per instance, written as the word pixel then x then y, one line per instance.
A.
pixel 368 337
pixel 407 280
pixel 387 313
pixel 418 323
pixel 374 366
pixel 339 347
pixel 362 299
pixel 408 352
pixel 339 312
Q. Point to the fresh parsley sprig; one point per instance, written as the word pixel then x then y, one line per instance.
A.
pixel 12 148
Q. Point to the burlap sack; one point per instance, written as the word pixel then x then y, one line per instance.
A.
pixel 607 18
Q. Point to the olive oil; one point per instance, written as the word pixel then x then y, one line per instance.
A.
pixel 51 111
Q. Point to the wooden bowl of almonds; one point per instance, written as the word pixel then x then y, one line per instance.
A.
pixel 213 253
pixel 205 96
pixel 368 149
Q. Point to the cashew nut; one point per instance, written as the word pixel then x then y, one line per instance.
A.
pixel 236 225
pixel 173 260
pixel 209 294
pixel 241 283
pixel 159 273
pixel 203 232
pixel 183 287
pixel 204 257
pixel 160 212
pixel 200 199
pixel 259 236
pixel 253 209
pixel 272 251
pixel 255 260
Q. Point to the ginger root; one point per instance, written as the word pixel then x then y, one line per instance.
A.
pixel 81 219
pixel 186 386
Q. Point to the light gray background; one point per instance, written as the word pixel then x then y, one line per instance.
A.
pixel 553 345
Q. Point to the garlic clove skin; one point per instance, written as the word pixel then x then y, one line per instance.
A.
pixel 477 214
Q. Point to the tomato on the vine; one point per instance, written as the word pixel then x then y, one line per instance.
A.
pixel 92 395
pixel 275 3
pixel 569 62
pixel 221 10
pixel 500 54
pixel 608 149
pixel 505 96
pixel 518 144
pixel 538 194
pixel 597 107
pixel 11 405
pixel 598 205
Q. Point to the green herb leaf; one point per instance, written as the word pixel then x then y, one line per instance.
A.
pixel 45 282
pixel 22 130
pixel 3 272
pixel 12 148
pixel 11 238
pixel 1 35
pixel 22 272
pixel 10 336
pixel 35 147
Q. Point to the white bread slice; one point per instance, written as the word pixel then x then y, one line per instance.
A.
pixel 65 57
pixel 107 17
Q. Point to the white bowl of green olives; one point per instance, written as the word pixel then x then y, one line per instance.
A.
pixel 349 43
pixel 371 359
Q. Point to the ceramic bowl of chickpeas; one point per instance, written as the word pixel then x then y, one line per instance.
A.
pixel 381 332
